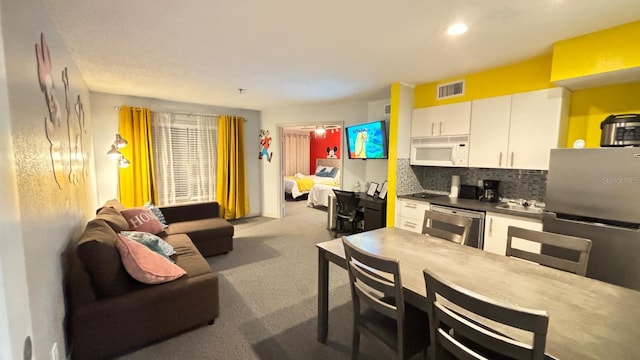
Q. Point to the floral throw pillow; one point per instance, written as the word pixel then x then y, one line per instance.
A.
pixel 142 219
pixel 156 211
pixel 153 242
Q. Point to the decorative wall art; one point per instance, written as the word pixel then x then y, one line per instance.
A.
pixel 265 142
pixel 66 146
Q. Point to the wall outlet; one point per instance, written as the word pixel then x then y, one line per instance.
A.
pixel 54 351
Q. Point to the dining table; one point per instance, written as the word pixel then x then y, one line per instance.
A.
pixel 588 319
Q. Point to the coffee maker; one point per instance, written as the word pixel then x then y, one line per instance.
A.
pixel 490 191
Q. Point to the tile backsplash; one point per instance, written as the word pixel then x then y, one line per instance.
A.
pixel 514 183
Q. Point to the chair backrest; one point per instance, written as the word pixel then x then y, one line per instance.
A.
pixel 375 279
pixel 466 338
pixel 579 245
pixel 347 201
pixel 446 226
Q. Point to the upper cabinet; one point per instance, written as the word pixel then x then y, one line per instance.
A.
pixel 517 131
pixel 443 120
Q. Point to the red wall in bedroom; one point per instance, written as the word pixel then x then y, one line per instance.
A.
pixel 318 147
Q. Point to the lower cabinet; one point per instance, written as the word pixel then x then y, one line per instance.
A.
pixel 411 214
pixel 495 232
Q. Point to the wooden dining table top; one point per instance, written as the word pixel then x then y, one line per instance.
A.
pixel 588 319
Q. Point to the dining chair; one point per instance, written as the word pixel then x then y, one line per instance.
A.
pixel 461 337
pixel 347 210
pixel 379 310
pixel 577 248
pixel 446 226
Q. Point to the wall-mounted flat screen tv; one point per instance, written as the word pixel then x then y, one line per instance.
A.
pixel 367 141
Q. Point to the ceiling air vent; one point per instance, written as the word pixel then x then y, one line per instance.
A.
pixel 451 89
pixel 387 109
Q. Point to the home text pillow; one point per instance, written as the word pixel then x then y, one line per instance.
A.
pixel 156 211
pixel 142 219
pixel 145 265
pixel 151 241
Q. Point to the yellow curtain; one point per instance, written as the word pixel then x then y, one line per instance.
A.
pixel 231 183
pixel 136 185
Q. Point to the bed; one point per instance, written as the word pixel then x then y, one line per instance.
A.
pixel 327 172
pixel 319 195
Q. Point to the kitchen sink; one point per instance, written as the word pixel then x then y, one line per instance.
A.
pixel 531 209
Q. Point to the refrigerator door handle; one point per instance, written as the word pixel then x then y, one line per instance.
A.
pixel 590 223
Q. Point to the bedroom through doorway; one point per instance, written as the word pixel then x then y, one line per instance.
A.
pixel 311 165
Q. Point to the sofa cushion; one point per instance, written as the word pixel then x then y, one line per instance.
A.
pixel 153 242
pixel 187 255
pixel 218 227
pixel 113 218
pixel 142 219
pixel 114 203
pixel 145 265
pixel 97 251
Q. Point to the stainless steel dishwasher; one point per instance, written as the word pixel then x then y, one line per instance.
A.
pixel 476 232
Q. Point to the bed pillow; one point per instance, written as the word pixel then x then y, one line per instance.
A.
pixel 151 241
pixel 335 172
pixel 325 172
pixel 145 265
pixel 320 169
pixel 142 219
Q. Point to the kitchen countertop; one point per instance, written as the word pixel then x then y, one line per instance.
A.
pixel 470 204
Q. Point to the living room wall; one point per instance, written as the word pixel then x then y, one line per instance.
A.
pixel 39 218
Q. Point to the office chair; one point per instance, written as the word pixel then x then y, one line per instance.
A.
pixel 379 310
pixel 461 337
pixel 347 211
pixel 446 226
pixel 578 245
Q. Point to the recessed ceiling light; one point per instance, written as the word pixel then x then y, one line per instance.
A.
pixel 457 29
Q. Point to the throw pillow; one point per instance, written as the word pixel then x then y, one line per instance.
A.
pixel 145 265
pixel 113 218
pixel 154 209
pixel 142 219
pixel 151 241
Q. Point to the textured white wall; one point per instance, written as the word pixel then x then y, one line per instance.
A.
pixel 105 118
pixel 348 112
pixel 377 169
pixel 49 217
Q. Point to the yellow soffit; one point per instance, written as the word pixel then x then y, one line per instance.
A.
pixel 606 57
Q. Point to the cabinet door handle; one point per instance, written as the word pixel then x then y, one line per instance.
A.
pixel 500 159
pixel 441 127
pixel 512 155
pixel 433 128
pixel 491 227
pixel 410 224
pixel 410 205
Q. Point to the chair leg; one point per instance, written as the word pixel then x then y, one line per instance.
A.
pixel 355 344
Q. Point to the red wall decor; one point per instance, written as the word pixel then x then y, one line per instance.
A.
pixel 318 146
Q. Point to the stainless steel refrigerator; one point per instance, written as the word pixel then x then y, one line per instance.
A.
pixel 595 193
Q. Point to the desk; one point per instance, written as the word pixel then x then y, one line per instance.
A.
pixel 588 319
pixel 375 211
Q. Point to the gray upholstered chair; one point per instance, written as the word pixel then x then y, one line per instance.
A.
pixel 458 336
pixel 446 226
pixel 580 247
pixel 379 310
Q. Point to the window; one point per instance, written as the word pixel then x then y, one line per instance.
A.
pixel 185 153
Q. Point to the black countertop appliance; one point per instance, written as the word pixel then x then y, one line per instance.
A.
pixel 489 191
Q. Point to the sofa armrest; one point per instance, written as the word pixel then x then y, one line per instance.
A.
pixel 190 212
pixel 115 325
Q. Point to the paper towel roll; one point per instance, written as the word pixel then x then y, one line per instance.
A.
pixel 455 186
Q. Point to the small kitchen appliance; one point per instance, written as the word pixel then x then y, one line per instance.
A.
pixel 469 192
pixel 490 191
pixel 620 130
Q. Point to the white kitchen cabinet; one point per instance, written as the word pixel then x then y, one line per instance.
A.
pixel 539 123
pixel 495 232
pixel 411 214
pixel 517 131
pixel 442 120
pixel 489 142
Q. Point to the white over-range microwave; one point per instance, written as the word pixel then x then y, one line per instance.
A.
pixel 440 151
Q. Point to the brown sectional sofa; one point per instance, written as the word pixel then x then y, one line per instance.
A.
pixel 109 313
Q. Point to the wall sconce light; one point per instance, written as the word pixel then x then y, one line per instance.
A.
pixel 115 154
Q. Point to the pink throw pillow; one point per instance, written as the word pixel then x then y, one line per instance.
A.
pixel 142 219
pixel 145 265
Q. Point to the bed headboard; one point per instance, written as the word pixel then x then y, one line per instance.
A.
pixel 327 162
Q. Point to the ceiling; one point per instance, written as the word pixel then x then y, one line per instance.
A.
pixel 284 52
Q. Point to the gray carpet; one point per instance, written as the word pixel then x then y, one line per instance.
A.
pixel 268 297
